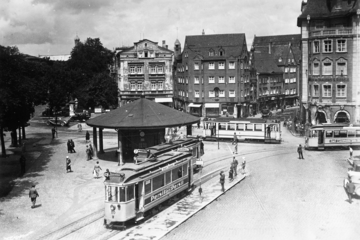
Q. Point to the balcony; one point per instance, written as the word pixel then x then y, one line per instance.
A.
pixel 331 32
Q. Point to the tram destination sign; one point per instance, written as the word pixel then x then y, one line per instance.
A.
pixel 344 140
pixel 166 191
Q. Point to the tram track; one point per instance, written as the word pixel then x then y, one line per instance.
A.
pixel 98 215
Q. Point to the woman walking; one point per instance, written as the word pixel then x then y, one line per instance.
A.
pixel 97 169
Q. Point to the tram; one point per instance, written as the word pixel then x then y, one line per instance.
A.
pixel 332 135
pixel 165 171
pixel 244 129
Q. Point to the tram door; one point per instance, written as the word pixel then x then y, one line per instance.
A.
pixel 139 199
pixel 321 139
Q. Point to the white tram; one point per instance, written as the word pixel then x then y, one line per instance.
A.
pixel 244 129
pixel 332 135
pixel 136 189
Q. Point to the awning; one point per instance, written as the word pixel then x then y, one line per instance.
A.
pixel 194 105
pixel 163 100
pixel 212 105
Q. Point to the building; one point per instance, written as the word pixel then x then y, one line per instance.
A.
pixel 209 74
pixel 330 61
pixel 276 60
pixel 144 69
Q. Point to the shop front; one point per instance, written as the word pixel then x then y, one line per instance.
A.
pixel 165 101
pixel 195 109
pixel 212 110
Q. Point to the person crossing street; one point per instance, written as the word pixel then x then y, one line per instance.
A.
pixel 33 194
pixel 299 150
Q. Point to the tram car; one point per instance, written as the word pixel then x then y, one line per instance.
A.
pixel 332 135
pixel 165 171
pixel 244 129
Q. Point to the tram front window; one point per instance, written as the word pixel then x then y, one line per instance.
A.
pixel 329 134
pixel 313 134
pixel 111 193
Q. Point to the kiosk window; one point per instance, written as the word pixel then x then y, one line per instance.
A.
pixel 130 192
pixel 222 126
pixel 240 126
pixel 336 134
pixel 158 182
pixel 249 127
pixel 147 186
pixel 122 194
pixel 168 177
pixel 185 168
pixel 231 126
pixel 329 134
pixel 351 133
pixel 258 127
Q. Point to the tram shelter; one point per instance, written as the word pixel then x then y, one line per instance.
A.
pixel 140 124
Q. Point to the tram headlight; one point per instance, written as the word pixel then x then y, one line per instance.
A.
pixel 118 207
pixel 112 208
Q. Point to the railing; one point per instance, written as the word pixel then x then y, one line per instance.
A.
pixel 329 32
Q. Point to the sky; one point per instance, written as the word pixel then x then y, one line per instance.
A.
pixel 49 27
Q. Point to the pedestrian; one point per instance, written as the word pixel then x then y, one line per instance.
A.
pixel 222 180
pixel 235 139
pixel 53 131
pixel 33 194
pixel 88 154
pixel 351 152
pixel 97 169
pixel 91 150
pixel 87 136
pixel 268 130
pixel 236 163
pixel 107 175
pixel 201 147
pixel 236 148
pixel 79 127
pixel 231 172
pixel 68 164
pixel 72 144
pixel 243 166
pixel 299 150
pixel 350 189
pixel 22 164
pixel 198 124
pixel 69 146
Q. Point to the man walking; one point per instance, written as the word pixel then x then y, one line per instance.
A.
pixel 53 131
pixel 243 166
pixel 69 146
pixel 222 180
pixel 72 144
pixel 68 164
pixel 235 164
pixel 33 194
pixel 350 189
pixel 299 150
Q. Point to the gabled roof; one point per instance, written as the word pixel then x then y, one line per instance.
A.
pixel 232 44
pixel 320 9
pixel 142 114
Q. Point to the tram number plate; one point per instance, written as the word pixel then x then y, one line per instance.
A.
pixel 200 162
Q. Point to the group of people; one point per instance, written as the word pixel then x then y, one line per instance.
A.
pixel 232 172
pixel 71 146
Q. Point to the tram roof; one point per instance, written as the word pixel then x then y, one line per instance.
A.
pixel 240 120
pixel 332 126
pixel 142 114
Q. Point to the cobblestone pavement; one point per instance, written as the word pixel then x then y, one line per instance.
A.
pixel 283 198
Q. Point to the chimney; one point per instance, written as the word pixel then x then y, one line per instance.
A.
pixel 163 43
pixel 203 32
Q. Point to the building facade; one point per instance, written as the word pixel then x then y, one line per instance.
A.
pixel 144 69
pixel 276 61
pixel 209 75
pixel 330 61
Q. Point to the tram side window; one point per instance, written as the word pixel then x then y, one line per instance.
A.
pixel 158 182
pixel 240 126
pixel 185 169
pixel 147 186
pixel 122 194
pixel 357 133
pixel 130 192
pixel 258 127
pixel 249 127
pixel 351 133
pixel 222 126
pixel 231 126
pixel 329 134
pixel 176 173
pixel 168 177
pixel 343 133
pixel 336 134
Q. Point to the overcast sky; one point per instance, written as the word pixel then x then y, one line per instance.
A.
pixel 48 27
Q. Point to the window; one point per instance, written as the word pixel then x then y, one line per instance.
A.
pixel 186 67
pixel 153 86
pixel 211 53
pixel 316 68
pixel 329 134
pixel 139 86
pixel 187 80
pixel 286 80
pixel 221 79
pixel 152 69
pixel 196 66
pixel 287 92
pixel 132 70
pixel 211 79
pixel 231 93
pixel 327 47
pixel 177 173
pixel 211 65
pixel 158 182
pixel 341 67
pixel 231 65
pixel 132 86
pixel 160 69
pixel 130 193
pixel 221 53
pixel 160 85
pixel 258 127
pixel 211 93
pixel 222 126
pixel 316 90
pixel 326 90
pixel 197 93
pixel 341 45
pixel 351 133
pixel 221 93
pixel 122 194
pixel 249 127
pixel 168 177
pixel 341 90
pixel 112 193
pixel 231 126
pixel 316 47
pixel 221 65
pixel 185 169
pixel 327 67
pixel 196 80
pixel 240 126
pixel 147 186
pixel 232 79
pixel 286 69
pixel 186 54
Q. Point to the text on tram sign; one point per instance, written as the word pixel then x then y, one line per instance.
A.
pixel 344 140
pixel 166 191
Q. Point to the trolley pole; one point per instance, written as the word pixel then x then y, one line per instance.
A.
pixel 218 136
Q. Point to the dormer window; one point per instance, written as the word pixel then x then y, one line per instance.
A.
pixel 211 53
pixel 146 54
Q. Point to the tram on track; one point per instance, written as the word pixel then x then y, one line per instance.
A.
pixel 244 129
pixel 161 172
pixel 332 135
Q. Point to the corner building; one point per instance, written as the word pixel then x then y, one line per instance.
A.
pixel 144 69
pixel 210 73
pixel 330 60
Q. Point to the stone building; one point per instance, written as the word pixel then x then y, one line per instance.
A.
pixel 209 75
pixel 330 60
pixel 276 62
pixel 144 69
